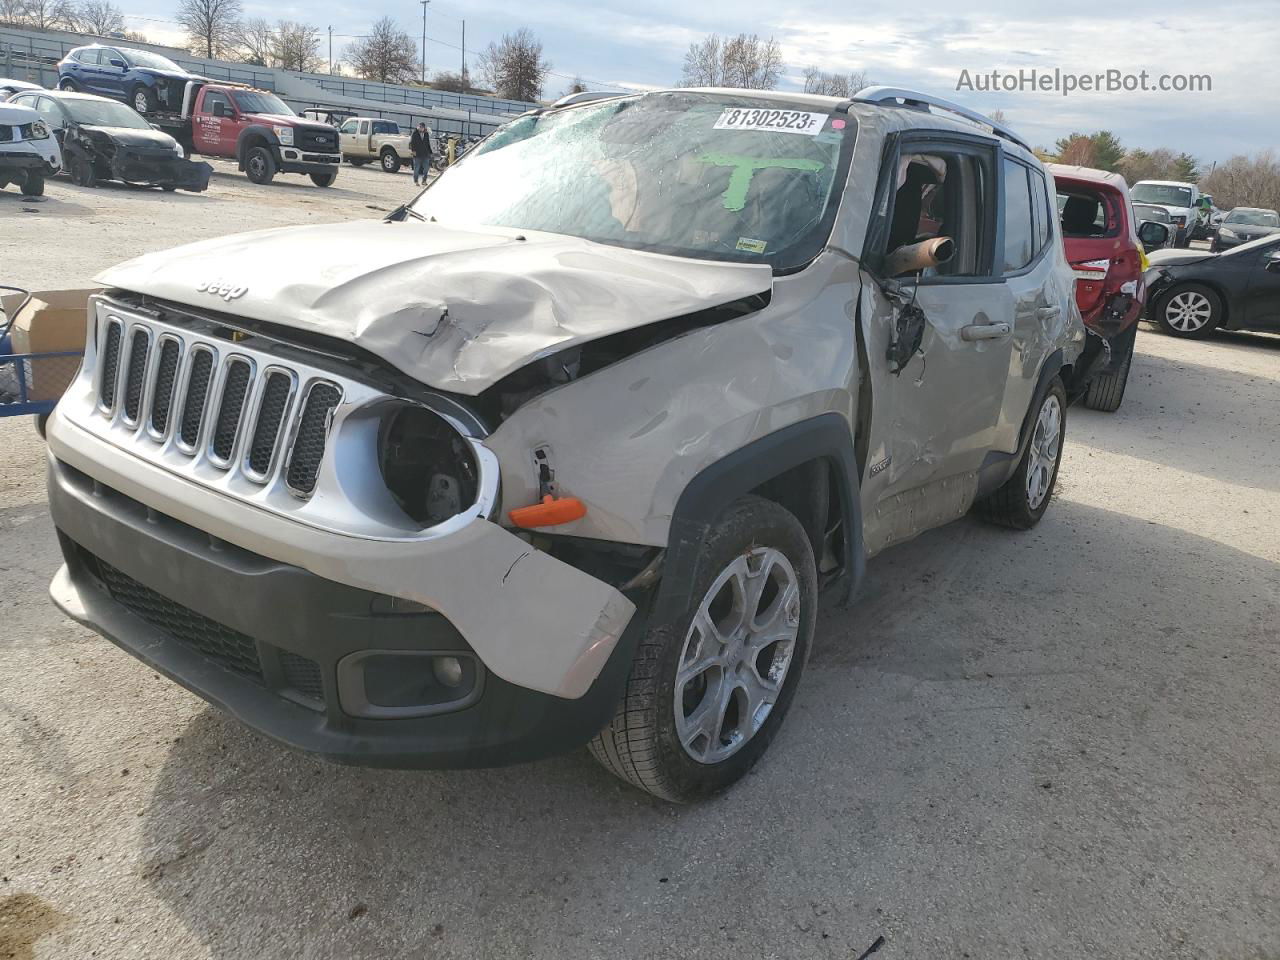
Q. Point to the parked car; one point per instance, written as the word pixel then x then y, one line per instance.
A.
pixel 1242 225
pixel 28 151
pixel 1100 234
pixel 102 139
pixel 1193 293
pixel 1179 198
pixel 333 116
pixel 719 346
pixel 1144 212
pixel 144 80
pixel 255 128
pixel 9 86
pixel 365 139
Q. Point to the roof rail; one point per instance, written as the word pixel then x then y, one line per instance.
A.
pixel 584 96
pixel 913 98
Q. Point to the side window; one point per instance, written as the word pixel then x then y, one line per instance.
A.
pixel 350 126
pixel 364 127
pixel 944 193
pixel 90 57
pixel 1043 210
pixel 1018 224
pixel 214 97
pixel 51 112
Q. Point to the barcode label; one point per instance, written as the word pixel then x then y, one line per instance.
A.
pixel 772 121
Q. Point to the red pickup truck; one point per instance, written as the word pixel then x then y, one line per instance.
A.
pixel 256 129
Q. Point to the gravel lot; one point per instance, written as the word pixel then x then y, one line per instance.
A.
pixel 1056 744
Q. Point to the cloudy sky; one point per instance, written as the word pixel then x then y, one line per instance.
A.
pixel 924 45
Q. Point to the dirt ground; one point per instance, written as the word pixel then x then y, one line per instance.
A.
pixel 1062 743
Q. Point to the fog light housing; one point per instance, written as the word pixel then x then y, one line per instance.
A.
pixel 401 684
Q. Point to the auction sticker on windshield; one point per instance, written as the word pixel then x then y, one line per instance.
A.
pixel 772 121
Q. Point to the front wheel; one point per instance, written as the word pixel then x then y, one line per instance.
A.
pixel 80 169
pixel 259 165
pixel 33 185
pixel 709 687
pixel 1025 496
pixel 66 83
pixel 323 179
pixel 1191 310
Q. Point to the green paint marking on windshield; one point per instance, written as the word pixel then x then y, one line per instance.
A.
pixel 744 168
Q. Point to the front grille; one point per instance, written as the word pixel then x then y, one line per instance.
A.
pixel 302 674
pixel 317 140
pixel 135 378
pixel 228 648
pixel 308 448
pixel 166 379
pixel 197 394
pixel 110 364
pixel 231 406
pixel 240 409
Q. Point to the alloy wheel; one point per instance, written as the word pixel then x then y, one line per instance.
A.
pixel 1045 443
pixel 736 655
pixel 140 101
pixel 1188 311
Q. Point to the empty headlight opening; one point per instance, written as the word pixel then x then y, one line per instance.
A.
pixel 427 465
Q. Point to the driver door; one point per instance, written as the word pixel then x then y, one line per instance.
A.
pixel 1262 296
pixel 936 418
pixel 347 137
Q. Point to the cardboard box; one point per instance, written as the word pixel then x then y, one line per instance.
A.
pixel 53 321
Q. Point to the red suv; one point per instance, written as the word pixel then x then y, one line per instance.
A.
pixel 1100 234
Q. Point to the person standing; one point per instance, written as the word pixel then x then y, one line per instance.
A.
pixel 420 147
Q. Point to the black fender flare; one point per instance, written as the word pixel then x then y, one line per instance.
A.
pixel 825 437
pixel 252 133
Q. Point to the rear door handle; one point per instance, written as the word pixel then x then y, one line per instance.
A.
pixel 1049 313
pixel 985 331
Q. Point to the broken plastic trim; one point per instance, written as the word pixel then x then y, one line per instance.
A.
pixel 516 389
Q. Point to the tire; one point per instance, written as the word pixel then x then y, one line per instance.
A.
pixel 66 83
pixel 390 160
pixel 80 169
pixel 1106 390
pixel 754 543
pixel 1189 310
pixel 259 165
pixel 33 185
pixel 1014 505
pixel 42 420
pixel 168 187
pixel 143 100
pixel 323 179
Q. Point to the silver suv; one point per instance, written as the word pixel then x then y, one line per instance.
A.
pixel 564 451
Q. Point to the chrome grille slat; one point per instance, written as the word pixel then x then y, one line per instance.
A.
pixel 113 336
pixel 271 410
pixel 309 444
pixel 135 379
pixel 168 359
pixel 195 396
pixel 236 378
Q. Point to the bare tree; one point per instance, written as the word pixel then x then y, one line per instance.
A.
pixel 1245 182
pixel 101 18
pixel 297 46
pixel 211 25
pixel 256 40
pixel 514 67
pixel 577 85
pixel 449 82
pixel 834 84
pixel 741 61
pixel 997 116
pixel 44 14
pixel 387 54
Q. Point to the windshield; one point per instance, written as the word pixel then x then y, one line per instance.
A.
pixel 258 101
pixel 1162 193
pixel 710 176
pixel 104 113
pixel 1146 212
pixel 144 58
pixel 1254 218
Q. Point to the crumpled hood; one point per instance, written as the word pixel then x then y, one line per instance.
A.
pixel 1171 257
pixel 457 309
pixel 131 137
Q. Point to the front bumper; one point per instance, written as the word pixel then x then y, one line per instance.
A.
pixel 299 160
pixel 163 171
pixel 26 162
pixel 273 644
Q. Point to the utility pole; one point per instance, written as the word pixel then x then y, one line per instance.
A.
pixel 424 40
pixel 331 51
pixel 463 74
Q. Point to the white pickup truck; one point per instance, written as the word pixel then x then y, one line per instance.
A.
pixel 365 139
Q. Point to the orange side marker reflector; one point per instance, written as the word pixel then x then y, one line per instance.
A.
pixel 549 512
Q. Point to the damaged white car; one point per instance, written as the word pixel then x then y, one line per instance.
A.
pixel 28 152
pixel 564 451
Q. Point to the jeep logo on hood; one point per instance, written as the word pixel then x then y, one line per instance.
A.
pixel 220 288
